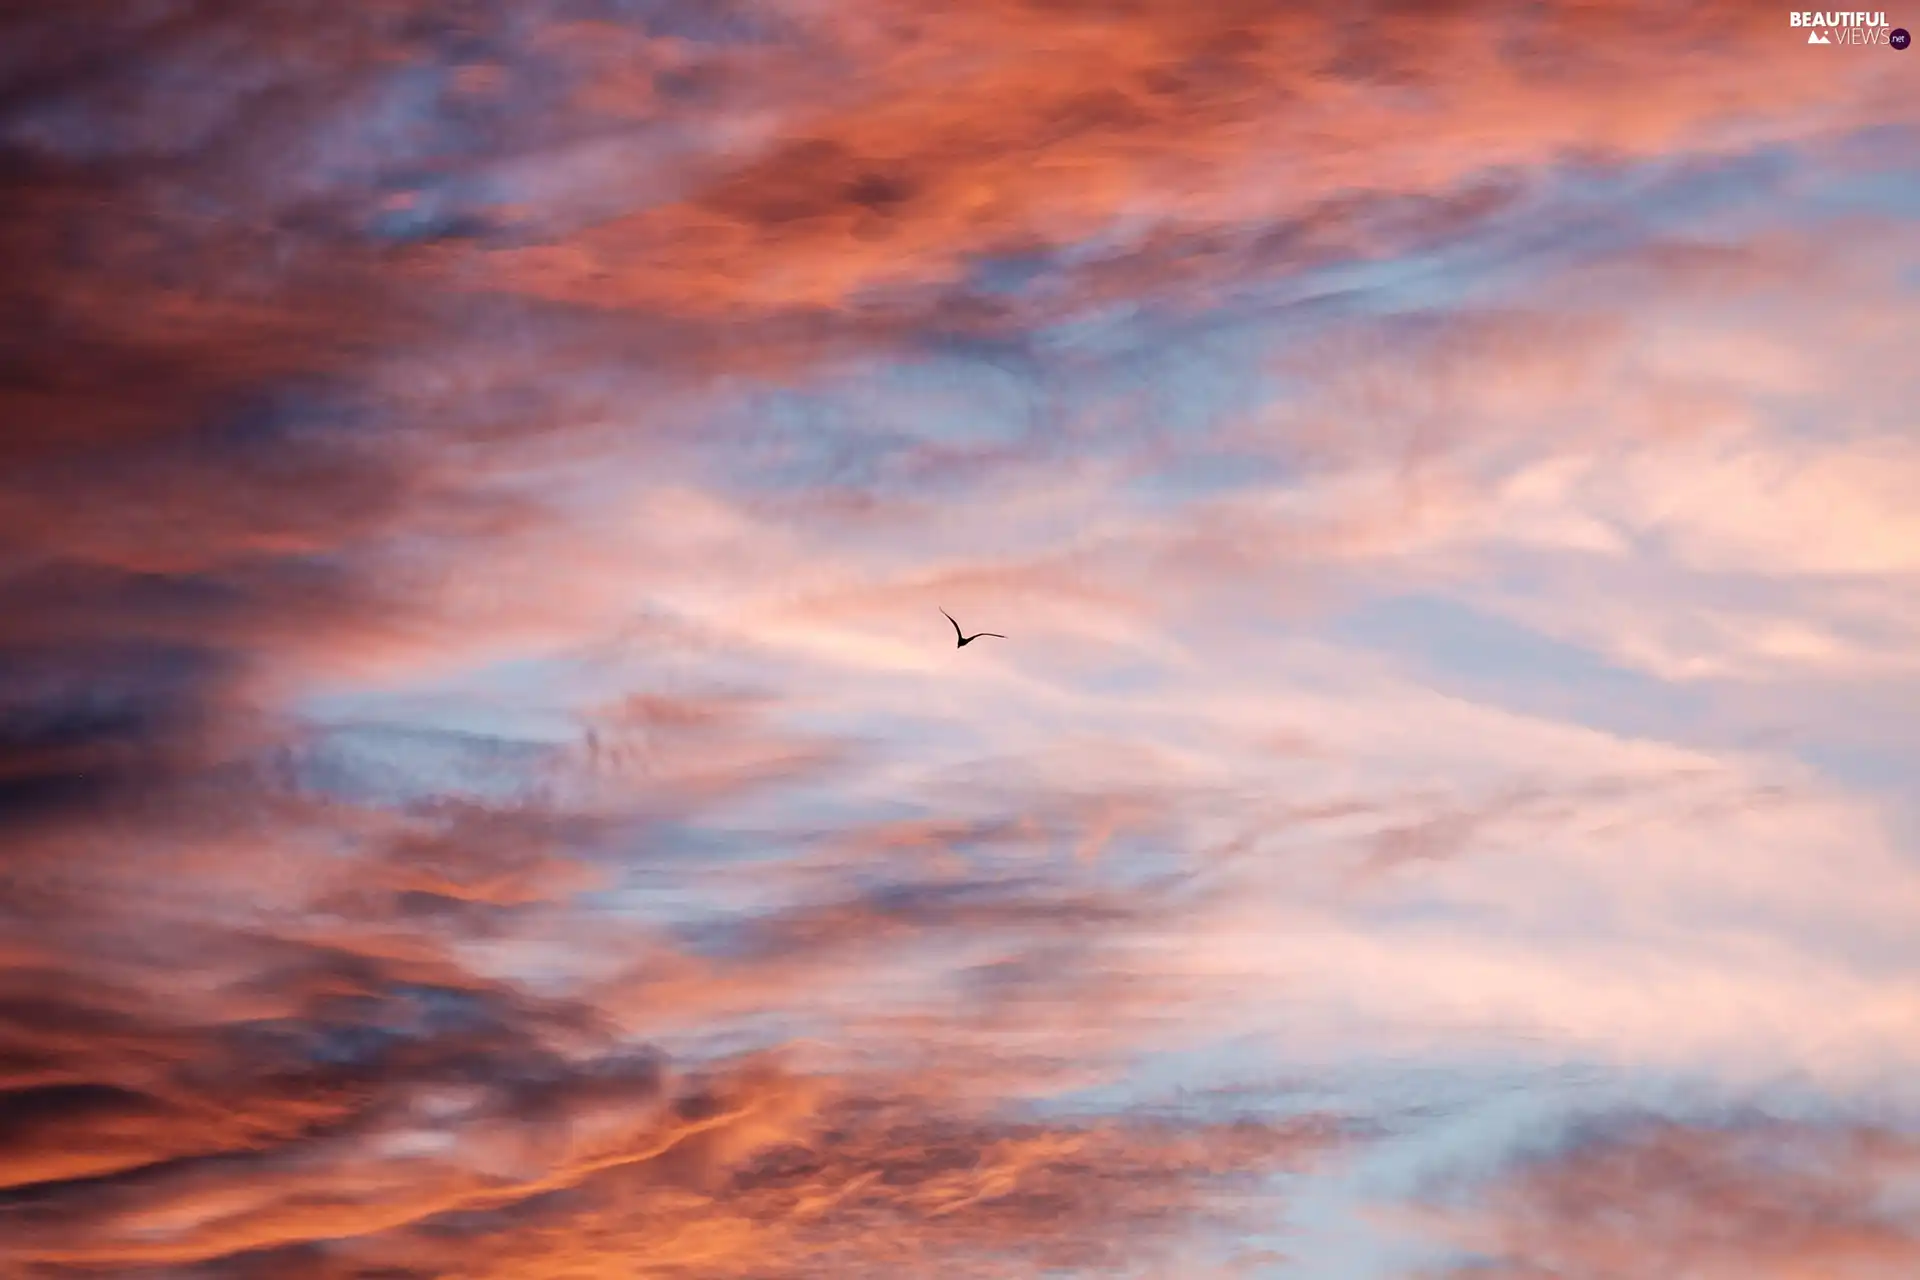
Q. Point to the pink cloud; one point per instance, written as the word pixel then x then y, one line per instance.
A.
pixel 1754 1198
pixel 401 352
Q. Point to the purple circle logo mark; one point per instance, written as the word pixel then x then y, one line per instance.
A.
pixel 1899 38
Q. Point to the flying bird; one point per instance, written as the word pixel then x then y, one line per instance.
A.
pixel 967 640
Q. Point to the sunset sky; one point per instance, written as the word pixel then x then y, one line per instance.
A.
pixel 487 791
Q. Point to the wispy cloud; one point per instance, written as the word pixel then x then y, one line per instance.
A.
pixel 486 786
pixel 1750 1196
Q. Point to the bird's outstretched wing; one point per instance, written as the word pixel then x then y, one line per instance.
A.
pixel 995 634
pixel 956 626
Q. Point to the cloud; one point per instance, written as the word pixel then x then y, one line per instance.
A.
pixel 597 400
pixel 1020 129
pixel 1637 1195
pixel 364 1067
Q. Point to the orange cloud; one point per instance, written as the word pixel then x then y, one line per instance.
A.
pixel 329 1079
pixel 317 320
pixel 1236 137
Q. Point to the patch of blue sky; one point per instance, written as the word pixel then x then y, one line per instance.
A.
pixel 401 118
pixel 1874 170
pixel 1433 1125
pixel 1181 389
pixel 1446 1098
pixel 1449 1130
pixel 1859 736
pixel 529 698
pixel 1458 649
pixel 1892 193
pixel 877 423
pixel 1010 274
pixel 1868 768
pixel 1127 678
pixel 437 209
pixel 1578 212
pixel 1880 769
pixel 1113 337
pixel 948 400
pixel 1190 371
pixel 1413 1121
pixel 1572 213
pixel 389 763
pixel 735 1035
pixel 935 739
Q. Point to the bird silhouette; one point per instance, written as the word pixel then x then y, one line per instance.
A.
pixel 967 640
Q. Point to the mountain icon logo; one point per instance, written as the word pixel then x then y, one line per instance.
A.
pixel 1814 37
